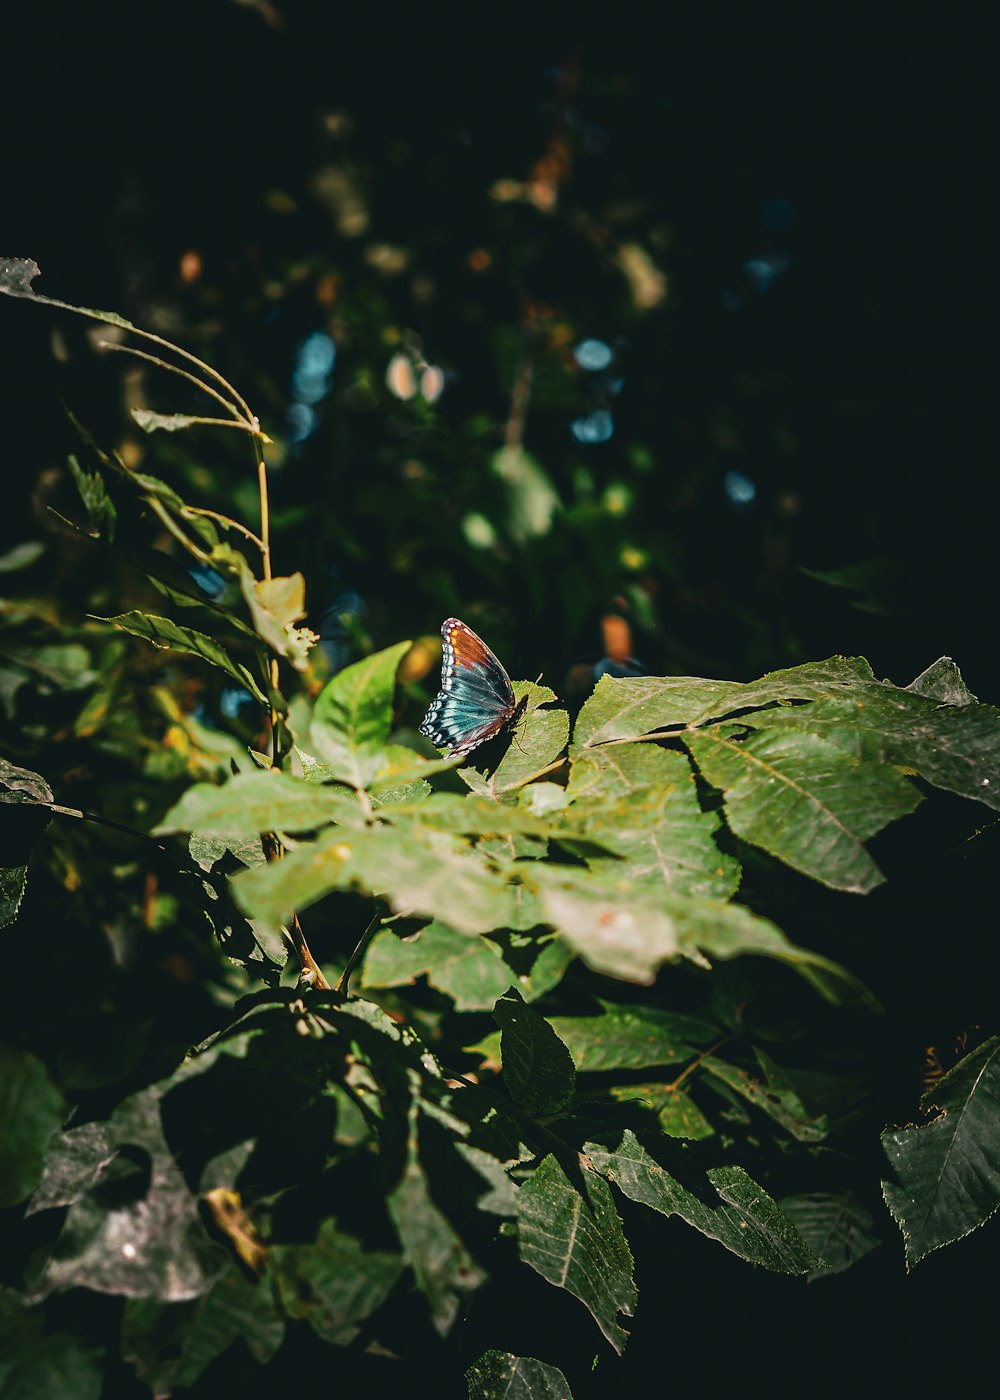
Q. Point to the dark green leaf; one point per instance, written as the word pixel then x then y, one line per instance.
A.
pixel 100 508
pixel 574 1239
pixel 679 1116
pixel 31 1109
pixel 334 1284
pixel 954 746
pixel 801 798
pixel 772 1093
pixel 13 882
pixel 837 1228
pixel 172 1347
pixel 748 1223
pixel 38 1364
pixel 172 636
pixel 498 1375
pixel 949 1169
pixel 731 930
pixel 443 1268
pixel 538 1070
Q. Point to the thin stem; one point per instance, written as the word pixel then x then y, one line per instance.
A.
pixel 358 953
pixel 311 970
pixel 176 369
pixel 168 523
pixel 696 1062
pixel 226 522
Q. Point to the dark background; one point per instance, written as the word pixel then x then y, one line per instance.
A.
pixel 135 133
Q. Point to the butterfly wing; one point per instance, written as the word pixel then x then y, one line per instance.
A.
pixel 476 698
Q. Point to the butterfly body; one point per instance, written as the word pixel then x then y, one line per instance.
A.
pixel 476 699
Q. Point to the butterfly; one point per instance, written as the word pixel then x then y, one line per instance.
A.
pixel 476 699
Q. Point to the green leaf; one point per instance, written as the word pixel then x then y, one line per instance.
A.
pixel 352 717
pixel 574 1239
pixel 631 1037
pixel 533 500
pixel 31 1110
pixel 171 1347
pixel 16 277
pixel 334 1283
pixel 428 873
pixel 468 968
pixel 13 883
pixel 172 636
pixel 21 785
pixel 498 1375
pixel 629 708
pixel 942 682
pixel 150 1242
pixel 802 799
pixel 657 829
pixel 39 1364
pixel 949 1169
pixel 748 1223
pixel 443 1268
pixel 951 745
pixel 771 1092
pixel 679 1116
pixel 614 932
pixel 538 1070
pixel 21 556
pixel 264 800
pixel 151 422
pixel 837 1228
pixel 100 508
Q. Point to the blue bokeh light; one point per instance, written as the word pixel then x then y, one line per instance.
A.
pixel 593 354
pixel 313 373
pixel 598 426
pixel 739 488
pixel 301 421
pixel 763 270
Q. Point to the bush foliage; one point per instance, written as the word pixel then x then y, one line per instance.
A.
pixel 416 1028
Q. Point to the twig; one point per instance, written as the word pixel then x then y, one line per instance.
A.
pixel 358 953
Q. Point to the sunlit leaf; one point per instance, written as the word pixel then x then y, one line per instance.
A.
pixel 657 829
pixel 352 717
pixel 499 1374
pixel 420 872
pixel 468 968
pixel 631 1037
pixel 265 800
pixel 802 799
pixel 172 636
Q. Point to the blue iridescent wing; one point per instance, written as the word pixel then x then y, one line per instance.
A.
pixel 476 699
